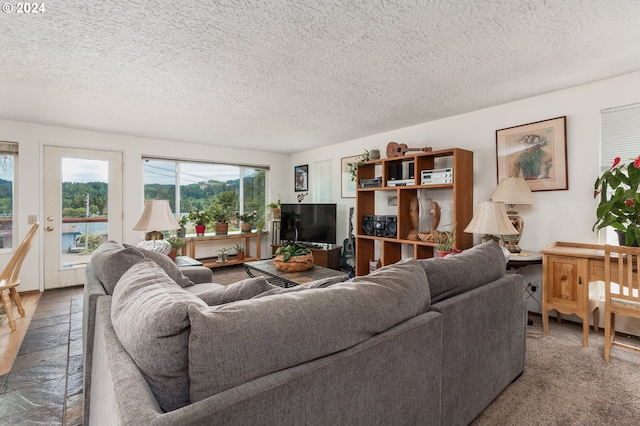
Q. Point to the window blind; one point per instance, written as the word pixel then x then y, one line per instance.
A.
pixel 619 134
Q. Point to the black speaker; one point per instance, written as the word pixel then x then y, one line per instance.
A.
pixel 411 170
pixel 391 227
pixel 368 225
pixel 395 171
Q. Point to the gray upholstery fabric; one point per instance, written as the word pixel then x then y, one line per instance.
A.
pixel 391 379
pixel 241 290
pixel 272 333
pixel 322 283
pixel 111 260
pixel 197 274
pixel 483 346
pixel 462 272
pixel 149 315
pixel 167 265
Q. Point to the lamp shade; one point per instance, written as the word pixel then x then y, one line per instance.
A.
pixel 513 190
pixel 156 216
pixel 490 218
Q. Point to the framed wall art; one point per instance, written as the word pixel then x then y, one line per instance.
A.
pixel 536 152
pixel 301 178
pixel 348 185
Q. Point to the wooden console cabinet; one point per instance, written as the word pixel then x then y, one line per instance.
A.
pixel 327 258
pixel 460 191
pixel 212 262
pixel 569 272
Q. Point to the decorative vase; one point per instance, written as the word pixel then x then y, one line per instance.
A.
pixel 374 154
pixel 240 256
pixel 221 228
pixel 276 213
pixel 245 226
pixel 200 230
pixel 294 264
pixel 182 232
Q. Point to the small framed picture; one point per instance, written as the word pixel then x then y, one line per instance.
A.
pixel 301 176
pixel 536 152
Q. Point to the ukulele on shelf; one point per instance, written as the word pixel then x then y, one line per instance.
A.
pixel 398 149
pixel 348 262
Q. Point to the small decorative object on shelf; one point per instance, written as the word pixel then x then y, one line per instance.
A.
pixel 619 205
pixel 223 255
pixel 293 258
pixel 275 211
pixel 353 167
pixel 239 252
pixel 445 241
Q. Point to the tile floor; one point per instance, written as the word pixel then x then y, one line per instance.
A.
pixel 44 385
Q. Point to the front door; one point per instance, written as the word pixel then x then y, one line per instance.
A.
pixel 82 209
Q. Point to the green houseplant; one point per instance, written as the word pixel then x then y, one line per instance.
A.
pixel 176 244
pixel 445 241
pixel 200 219
pixel 293 258
pixel 274 210
pixel 619 205
pixel 221 218
pixel 353 167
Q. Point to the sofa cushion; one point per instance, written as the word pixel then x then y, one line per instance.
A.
pixel 459 273
pixel 234 343
pixel 110 260
pixel 168 265
pixel 149 315
pixel 241 290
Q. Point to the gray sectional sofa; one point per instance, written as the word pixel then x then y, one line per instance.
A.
pixel 420 342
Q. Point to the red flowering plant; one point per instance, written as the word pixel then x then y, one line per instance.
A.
pixel 619 205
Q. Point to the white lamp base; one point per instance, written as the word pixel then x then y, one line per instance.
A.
pixel 159 246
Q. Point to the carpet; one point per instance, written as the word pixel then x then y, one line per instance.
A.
pixel 229 274
pixel 566 384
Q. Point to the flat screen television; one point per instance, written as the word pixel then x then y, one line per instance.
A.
pixel 308 223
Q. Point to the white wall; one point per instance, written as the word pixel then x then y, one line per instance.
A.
pixel 32 139
pixel 557 215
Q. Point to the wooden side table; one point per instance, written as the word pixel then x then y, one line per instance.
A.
pixel 569 272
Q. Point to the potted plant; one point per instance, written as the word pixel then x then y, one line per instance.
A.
pixel 445 241
pixel 221 219
pixel 200 219
pixel 353 167
pixel 275 210
pixel 182 232
pixel 223 254
pixel 176 244
pixel 239 252
pixel 246 219
pixel 619 205
pixel 293 258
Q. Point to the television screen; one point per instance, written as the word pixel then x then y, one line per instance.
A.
pixel 308 223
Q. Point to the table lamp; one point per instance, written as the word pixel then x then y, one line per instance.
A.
pixel 491 219
pixel 512 191
pixel 155 217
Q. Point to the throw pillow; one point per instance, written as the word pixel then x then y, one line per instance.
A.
pixel 168 265
pixel 110 260
pixel 235 343
pixel 149 316
pixel 459 273
pixel 241 290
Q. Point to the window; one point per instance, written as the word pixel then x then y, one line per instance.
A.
pixel 194 185
pixel 619 137
pixel 8 155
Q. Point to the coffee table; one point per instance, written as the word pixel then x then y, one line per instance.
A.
pixel 289 279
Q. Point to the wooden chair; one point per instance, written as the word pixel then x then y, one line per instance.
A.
pixel 622 292
pixel 9 278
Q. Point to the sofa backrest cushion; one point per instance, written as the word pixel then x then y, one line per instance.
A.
pixel 241 290
pixel 458 273
pixel 149 316
pixel 234 343
pixel 110 260
pixel 168 265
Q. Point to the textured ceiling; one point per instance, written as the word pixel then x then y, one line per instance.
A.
pixel 287 76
